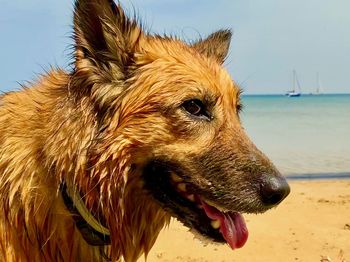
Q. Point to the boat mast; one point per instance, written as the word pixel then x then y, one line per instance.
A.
pixel 296 80
pixel 318 90
pixel 294 74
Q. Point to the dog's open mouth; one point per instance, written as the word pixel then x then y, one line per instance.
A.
pixel 182 200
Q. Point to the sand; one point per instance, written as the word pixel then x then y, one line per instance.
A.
pixel 312 224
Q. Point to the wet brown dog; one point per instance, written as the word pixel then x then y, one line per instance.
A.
pixel 94 162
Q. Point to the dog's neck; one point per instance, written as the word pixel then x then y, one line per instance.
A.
pixel 93 231
pixel 133 218
pixel 134 211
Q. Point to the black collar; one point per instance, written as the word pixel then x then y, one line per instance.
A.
pixel 90 234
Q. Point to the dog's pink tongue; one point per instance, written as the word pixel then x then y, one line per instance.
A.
pixel 232 225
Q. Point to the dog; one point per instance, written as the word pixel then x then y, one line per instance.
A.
pixel 94 162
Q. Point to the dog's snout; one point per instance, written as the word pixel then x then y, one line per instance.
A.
pixel 273 189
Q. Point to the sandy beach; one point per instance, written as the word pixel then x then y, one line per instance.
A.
pixel 312 224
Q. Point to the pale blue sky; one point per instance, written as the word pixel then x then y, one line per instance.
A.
pixel 271 38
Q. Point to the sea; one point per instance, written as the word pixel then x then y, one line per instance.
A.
pixel 306 136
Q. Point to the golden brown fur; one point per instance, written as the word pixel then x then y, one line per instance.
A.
pixel 97 127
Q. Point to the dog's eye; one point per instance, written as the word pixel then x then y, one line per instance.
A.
pixel 196 107
pixel 239 108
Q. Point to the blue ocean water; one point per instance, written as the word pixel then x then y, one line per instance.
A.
pixel 302 135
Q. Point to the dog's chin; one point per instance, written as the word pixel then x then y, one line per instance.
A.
pixel 169 188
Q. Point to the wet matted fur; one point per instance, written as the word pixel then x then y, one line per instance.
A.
pixel 144 128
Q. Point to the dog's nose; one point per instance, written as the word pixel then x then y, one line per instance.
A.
pixel 273 189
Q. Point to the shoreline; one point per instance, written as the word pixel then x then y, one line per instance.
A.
pixel 319 176
pixel 303 94
pixel 312 224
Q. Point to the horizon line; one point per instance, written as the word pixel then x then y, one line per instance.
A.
pixel 302 94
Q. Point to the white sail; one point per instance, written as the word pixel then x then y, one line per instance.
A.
pixel 296 85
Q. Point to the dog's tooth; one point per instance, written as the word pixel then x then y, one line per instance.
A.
pixel 181 187
pixel 176 178
pixel 215 223
pixel 190 197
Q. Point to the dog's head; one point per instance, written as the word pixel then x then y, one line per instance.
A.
pixel 168 113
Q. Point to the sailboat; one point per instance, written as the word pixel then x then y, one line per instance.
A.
pixel 319 88
pixel 294 92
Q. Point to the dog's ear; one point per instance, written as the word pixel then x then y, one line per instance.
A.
pixel 215 45
pixel 105 38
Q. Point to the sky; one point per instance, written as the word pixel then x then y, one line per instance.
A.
pixel 271 38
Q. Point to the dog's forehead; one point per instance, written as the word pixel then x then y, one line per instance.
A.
pixel 186 63
pixel 215 79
